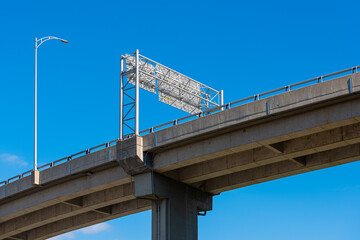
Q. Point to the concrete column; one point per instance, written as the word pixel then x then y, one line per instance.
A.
pixel 175 206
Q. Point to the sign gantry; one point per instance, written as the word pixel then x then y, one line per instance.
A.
pixel 172 87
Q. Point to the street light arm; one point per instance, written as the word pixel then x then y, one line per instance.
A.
pixel 40 41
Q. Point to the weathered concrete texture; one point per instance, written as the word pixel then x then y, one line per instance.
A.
pixel 304 130
pixel 261 156
pixel 130 155
pixel 86 219
pixel 279 104
pixel 282 169
pixel 72 207
pixel 47 196
pixel 175 206
pixel 79 165
pixel 277 130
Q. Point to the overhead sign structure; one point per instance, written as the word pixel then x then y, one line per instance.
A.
pixel 172 87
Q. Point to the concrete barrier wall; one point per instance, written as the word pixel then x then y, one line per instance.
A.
pixel 288 101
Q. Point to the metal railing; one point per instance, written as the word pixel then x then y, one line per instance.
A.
pixel 193 116
pixel 61 160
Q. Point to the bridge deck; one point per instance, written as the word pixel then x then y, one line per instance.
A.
pixel 299 131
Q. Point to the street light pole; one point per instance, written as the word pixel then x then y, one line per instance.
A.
pixel 35 110
pixel 38 42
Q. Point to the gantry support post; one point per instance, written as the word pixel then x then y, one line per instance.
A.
pixel 129 98
pixel 121 103
pixel 137 77
pixel 175 206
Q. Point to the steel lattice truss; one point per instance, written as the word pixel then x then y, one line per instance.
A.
pixel 172 87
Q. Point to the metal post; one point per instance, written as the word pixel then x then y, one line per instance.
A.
pixel 121 99
pixel 38 42
pixel 137 93
pixel 222 99
pixel 35 110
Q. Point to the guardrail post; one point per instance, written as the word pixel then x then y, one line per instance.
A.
pixel 350 85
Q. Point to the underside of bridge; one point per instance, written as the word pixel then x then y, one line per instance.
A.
pixel 176 171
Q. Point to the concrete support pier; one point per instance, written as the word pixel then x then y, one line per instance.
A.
pixel 175 206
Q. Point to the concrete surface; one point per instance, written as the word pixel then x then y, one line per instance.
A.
pixel 303 130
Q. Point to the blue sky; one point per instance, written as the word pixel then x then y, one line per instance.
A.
pixel 242 47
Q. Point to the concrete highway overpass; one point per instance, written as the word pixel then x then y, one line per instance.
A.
pixel 177 170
